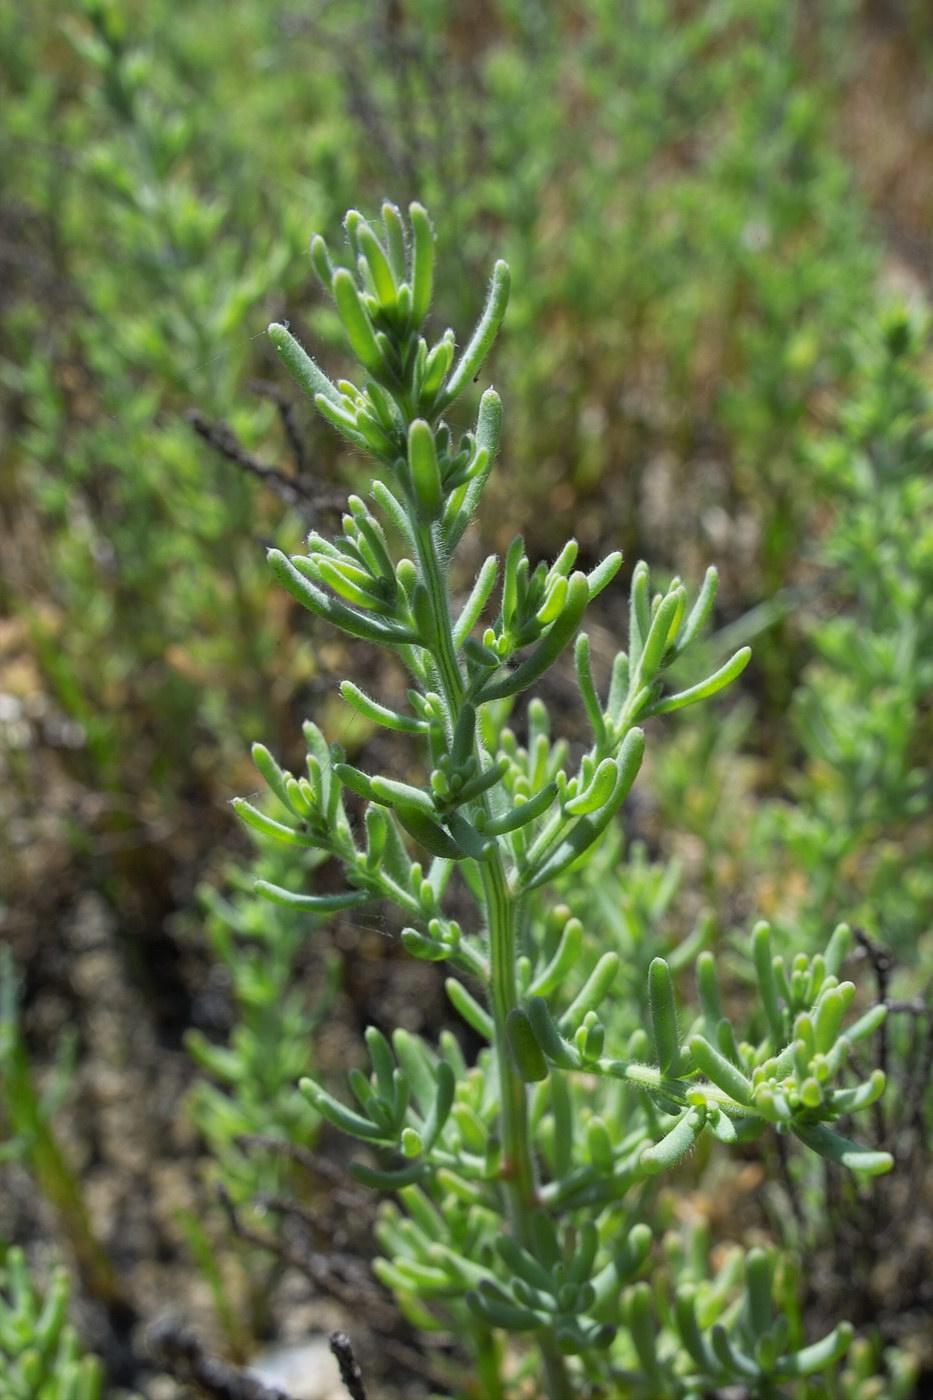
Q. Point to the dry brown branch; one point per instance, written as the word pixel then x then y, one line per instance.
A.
pixel 177 1349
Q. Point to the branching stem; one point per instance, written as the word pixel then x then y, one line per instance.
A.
pixel 519 1174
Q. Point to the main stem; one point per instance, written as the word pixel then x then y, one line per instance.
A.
pixel 518 1167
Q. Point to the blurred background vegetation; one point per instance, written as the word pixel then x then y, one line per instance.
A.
pixel 718 349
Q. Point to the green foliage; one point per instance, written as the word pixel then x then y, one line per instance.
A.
pixel 40 1356
pixel 523 1179
pixel 846 834
pixel 850 834
pixel 862 814
pixel 251 1090
pixel 133 546
pixel 690 259
pixel 696 139
pixel 685 240
pixel 246 1104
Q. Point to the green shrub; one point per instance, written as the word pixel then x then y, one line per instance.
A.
pixel 524 1180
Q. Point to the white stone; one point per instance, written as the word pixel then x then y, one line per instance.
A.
pixel 306 1370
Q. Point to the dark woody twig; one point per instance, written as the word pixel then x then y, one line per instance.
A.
pixel 340 1276
pixel 882 963
pixel 286 408
pixel 180 1352
pixel 313 1223
pixel 288 489
pixel 313 1162
pixel 344 1278
pixel 350 1373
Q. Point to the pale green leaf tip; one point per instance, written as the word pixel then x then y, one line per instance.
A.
pixel 884 1163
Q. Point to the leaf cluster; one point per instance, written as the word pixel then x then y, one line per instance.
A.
pixel 40 1356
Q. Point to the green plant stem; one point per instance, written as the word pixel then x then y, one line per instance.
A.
pixel 58 1183
pixel 518 1165
pixel 489 1365
pixel 445 657
pixel 518 1172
